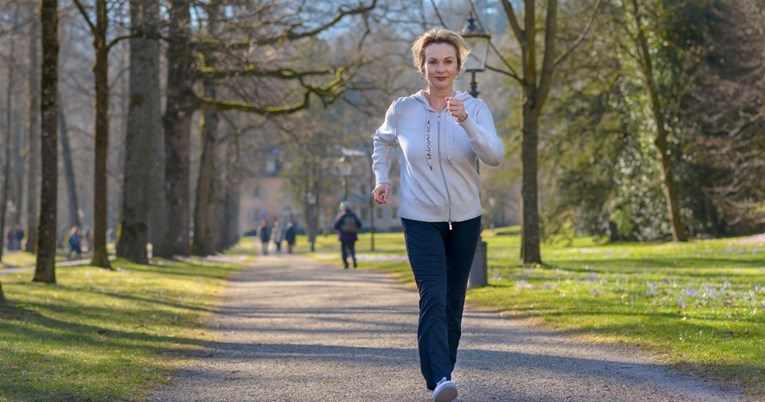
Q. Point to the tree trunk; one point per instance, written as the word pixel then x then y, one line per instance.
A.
pixel 536 83
pixel 2 295
pixel 203 206
pixel 177 123
pixel 8 139
pixel 33 159
pixel 45 269
pixel 133 234
pixel 69 176
pixel 230 227
pixel 157 202
pixel 530 236
pixel 6 172
pixel 101 72
pixel 662 149
pixel 20 172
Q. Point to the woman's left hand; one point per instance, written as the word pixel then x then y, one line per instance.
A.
pixel 456 108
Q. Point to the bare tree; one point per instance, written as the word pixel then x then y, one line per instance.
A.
pixel 45 269
pixel 179 109
pixel 33 159
pixel 4 190
pixel 142 126
pixel 282 32
pixel 99 30
pixel 70 179
pixel 203 241
pixel 536 82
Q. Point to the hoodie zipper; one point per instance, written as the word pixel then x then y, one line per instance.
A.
pixel 440 165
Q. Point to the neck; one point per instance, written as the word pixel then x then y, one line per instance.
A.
pixel 437 98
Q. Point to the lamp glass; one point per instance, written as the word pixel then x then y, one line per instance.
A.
pixel 479 50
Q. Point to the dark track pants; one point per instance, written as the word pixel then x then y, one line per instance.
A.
pixel 348 249
pixel 440 259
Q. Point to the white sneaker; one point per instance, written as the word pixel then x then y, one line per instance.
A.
pixel 446 391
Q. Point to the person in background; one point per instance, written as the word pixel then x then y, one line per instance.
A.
pixel 347 225
pixel 277 236
pixel 19 237
pixel 442 134
pixel 10 239
pixel 75 245
pixel 264 232
pixel 290 236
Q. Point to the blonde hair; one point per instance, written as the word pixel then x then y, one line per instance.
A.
pixel 438 35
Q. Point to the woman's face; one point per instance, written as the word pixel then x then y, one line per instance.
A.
pixel 440 65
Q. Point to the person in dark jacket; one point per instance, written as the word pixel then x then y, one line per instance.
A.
pixel 264 232
pixel 290 236
pixel 75 246
pixel 347 225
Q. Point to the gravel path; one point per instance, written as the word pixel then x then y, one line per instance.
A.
pixel 294 329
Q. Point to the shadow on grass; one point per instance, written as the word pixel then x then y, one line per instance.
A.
pixel 77 361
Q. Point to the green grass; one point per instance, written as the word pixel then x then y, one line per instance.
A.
pixel 105 335
pixel 700 305
pixel 17 259
pixel 117 335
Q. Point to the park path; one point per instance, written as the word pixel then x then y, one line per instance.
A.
pixel 295 329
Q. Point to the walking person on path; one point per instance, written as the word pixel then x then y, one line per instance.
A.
pixel 290 236
pixel 442 134
pixel 277 236
pixel 264 232
pixel 347 225
pixel 74 240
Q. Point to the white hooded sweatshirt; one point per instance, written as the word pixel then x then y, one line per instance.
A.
pixel 439 179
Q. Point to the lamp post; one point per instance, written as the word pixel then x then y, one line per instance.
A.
pixel 312 217
pixel 478 42
pixel 344 164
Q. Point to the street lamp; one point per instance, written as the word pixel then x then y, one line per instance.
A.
pixel 478 42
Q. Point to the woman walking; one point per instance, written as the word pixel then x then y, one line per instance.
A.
pixel 442 134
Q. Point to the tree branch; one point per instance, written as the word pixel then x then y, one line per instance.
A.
pixel 581 37
pixel 548 63
pixel 292 35
pixel 84 13
pixel 513 19
pixel 328 94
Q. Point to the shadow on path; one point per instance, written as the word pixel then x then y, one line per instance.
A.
pixel 293 329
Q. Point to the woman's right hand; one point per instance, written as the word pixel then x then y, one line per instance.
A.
pixel 381 193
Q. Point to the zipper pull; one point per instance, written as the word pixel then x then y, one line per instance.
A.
pixel 450 225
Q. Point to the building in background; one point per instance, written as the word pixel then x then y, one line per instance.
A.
pixel 264 196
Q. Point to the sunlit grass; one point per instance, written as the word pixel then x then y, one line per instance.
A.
pixel 117 335
pixel 105 335
pixel 17 259
pixel 701 305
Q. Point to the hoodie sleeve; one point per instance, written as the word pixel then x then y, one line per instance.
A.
pixel 384 141
pixel 483 136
